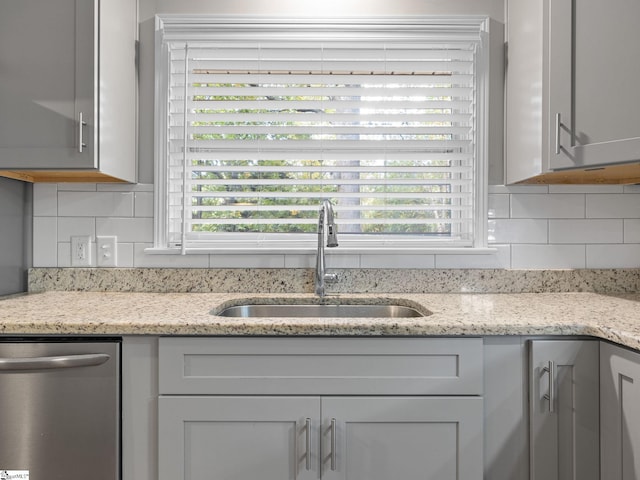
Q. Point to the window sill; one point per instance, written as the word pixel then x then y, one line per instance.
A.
pixel 328 251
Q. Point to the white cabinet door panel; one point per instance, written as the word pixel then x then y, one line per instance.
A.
pixel 593 83
pixel 46 78
pixel 238 438
pixel 620 417
pixel 407 438
pixel 564 410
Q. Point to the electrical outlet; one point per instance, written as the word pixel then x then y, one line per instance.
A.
pixel 81 251
pixel 107 251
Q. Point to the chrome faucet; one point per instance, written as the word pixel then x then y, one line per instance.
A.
pixel 326 218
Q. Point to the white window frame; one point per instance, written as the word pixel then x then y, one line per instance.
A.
pixel 198 27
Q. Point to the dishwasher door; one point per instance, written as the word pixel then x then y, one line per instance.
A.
pixel 60 409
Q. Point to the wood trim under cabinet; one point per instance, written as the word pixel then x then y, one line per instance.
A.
pixel 628 173
pixel 55 176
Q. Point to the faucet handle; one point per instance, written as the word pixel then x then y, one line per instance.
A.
pixel 332 235
pixel 331 277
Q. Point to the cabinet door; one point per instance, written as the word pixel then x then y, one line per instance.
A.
pixel 47 80
pixel 594 99
pixel 238 438
pixel 564 410
pixel 407 438
pixel 620 413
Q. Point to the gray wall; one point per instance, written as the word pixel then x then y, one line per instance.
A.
pixel 296 8
pixel 15 235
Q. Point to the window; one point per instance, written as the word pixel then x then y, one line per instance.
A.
pixel 259 120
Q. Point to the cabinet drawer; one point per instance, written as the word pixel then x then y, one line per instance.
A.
pixel 313 366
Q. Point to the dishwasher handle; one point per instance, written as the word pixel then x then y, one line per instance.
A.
pixel 47 363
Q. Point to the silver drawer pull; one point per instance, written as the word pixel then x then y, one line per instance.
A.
pixel 551 370
pixel 62 361
pixel 333 444
pixel 308 439
pixel 558 126
pixel 81 125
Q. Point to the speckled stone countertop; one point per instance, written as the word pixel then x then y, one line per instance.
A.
pixel 366 280
pixel 611 317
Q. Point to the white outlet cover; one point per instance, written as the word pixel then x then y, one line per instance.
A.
pixel 107 251
pixel 81 251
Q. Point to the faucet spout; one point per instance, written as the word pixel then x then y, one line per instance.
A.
pixel 326 217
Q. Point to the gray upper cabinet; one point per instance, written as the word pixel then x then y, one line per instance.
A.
pixel 573 106
pixel 564 410
pixel 620 413
pixel 68 94
pixel 594 71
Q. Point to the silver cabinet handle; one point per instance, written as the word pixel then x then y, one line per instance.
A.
pixel 551 370
pixel 47 363
pixel 308 439
pixel 81 125
pixel 333 444
pixel 558 125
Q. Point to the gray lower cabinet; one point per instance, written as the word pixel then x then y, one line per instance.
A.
pixel 408 438
pixel 564 410
pixel 228 438
pixel 374 409
pixel 581 422
pixel 276 438
pixel 620 413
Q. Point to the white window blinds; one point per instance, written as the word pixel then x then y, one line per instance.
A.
pixel 260 130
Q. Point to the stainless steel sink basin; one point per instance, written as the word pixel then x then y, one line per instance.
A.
pixel 322 311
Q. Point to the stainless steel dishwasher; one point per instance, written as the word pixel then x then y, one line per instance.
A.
pixel 59 409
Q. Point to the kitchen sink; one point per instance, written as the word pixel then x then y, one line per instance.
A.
pixel 322 311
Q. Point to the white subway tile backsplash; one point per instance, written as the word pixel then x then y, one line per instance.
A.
pixel 547 256
pixel 75 226
pixel 95 204
pixel 498 206
pixel 585 231
pixel 518 189
pixel 531 226
pixel 397 261
pixel 586 188
pixel 145 260
pixel 124 187
pixel 143 204
pixel 45 242
pixel 518 230
pixel 246 261
pixel 613 256
pixel 64 254
pixel 500 259
pixel 125 255
pixel 299 260
pixel 552 205
pixel 336 259
pixel 77 187
pixel 132 230
pixel 613 206
pixel 45 200
pixel 632 230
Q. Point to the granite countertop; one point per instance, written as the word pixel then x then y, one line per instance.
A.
pixel 610 317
